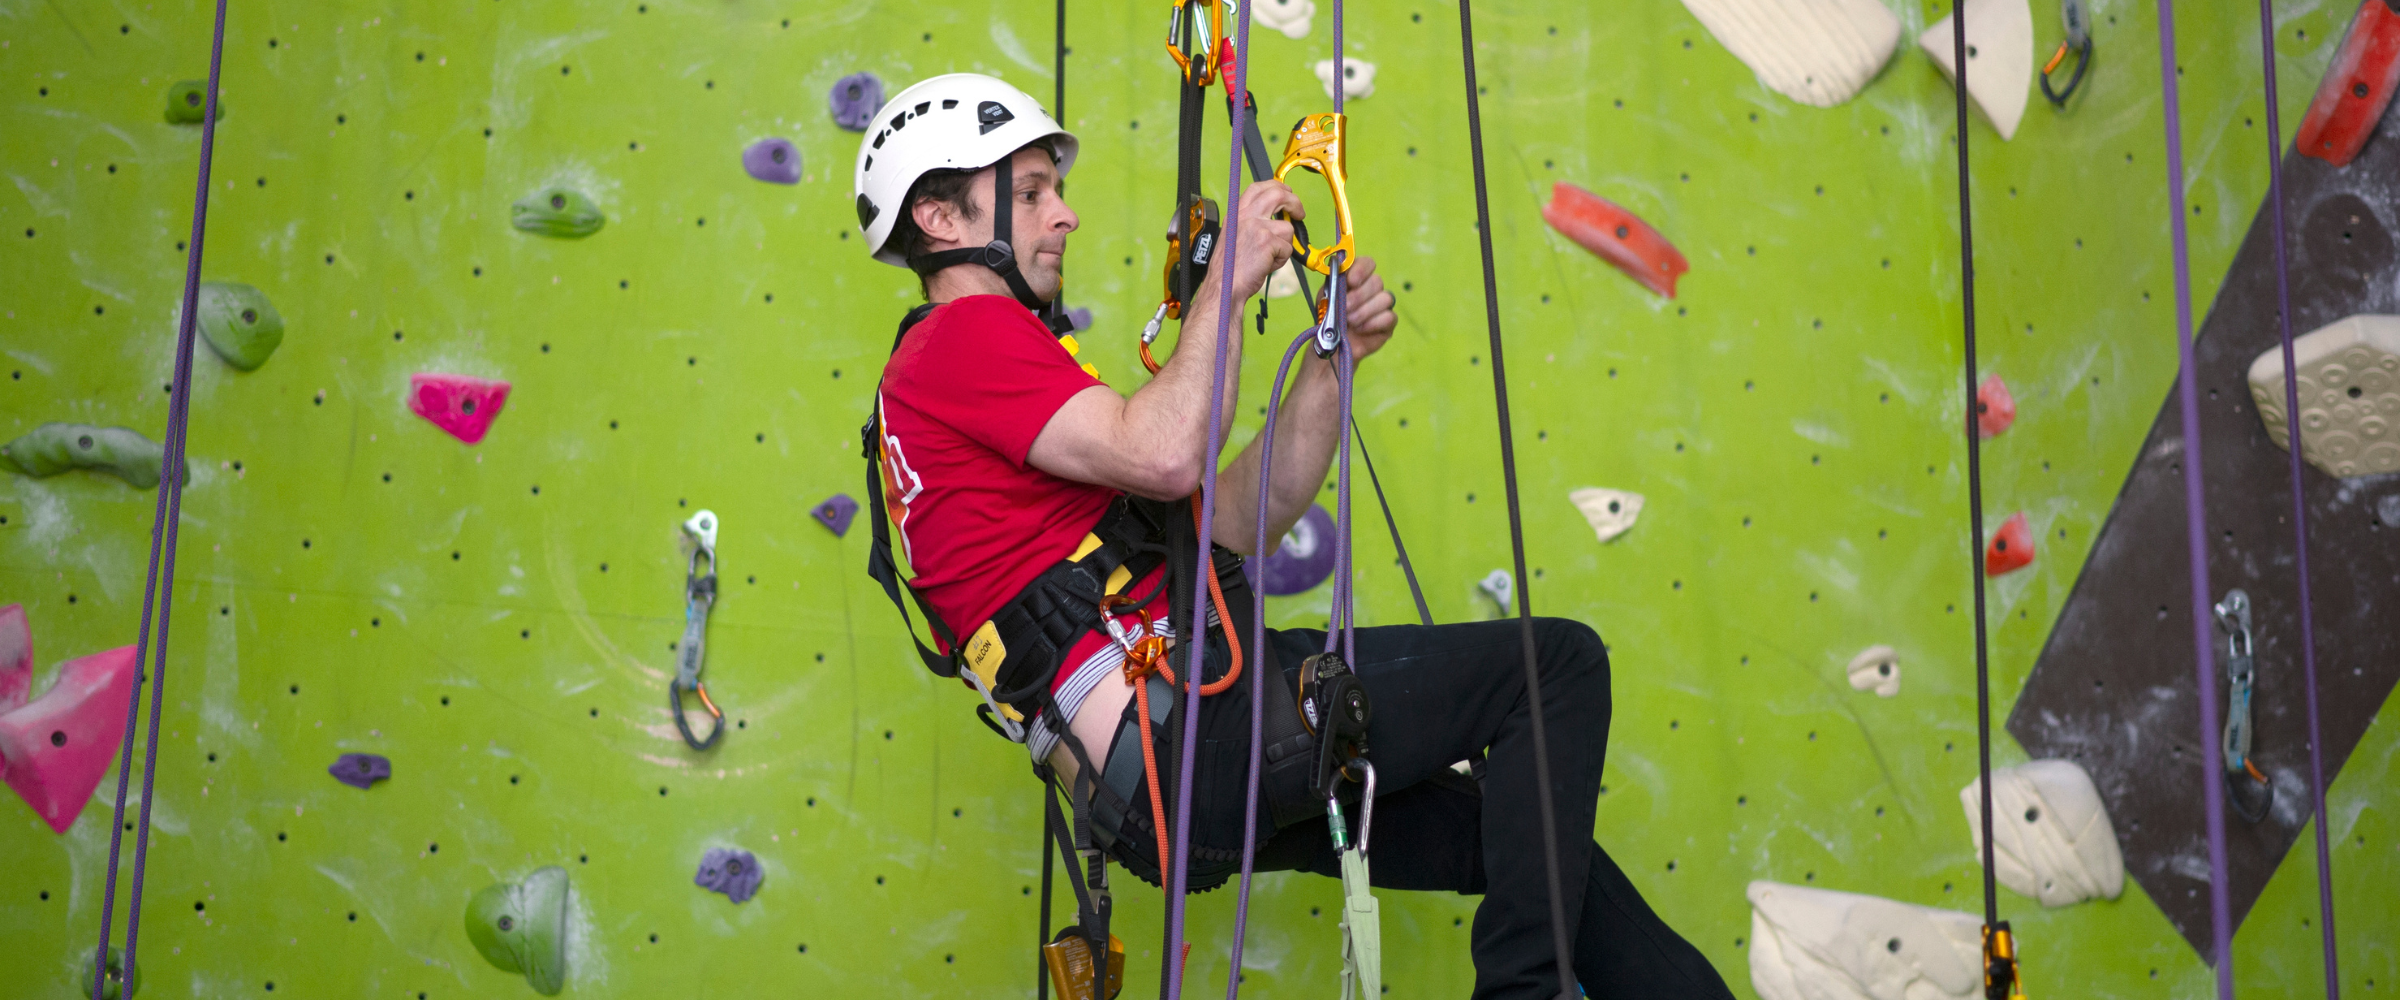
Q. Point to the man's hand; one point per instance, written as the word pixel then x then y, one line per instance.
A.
pixel 1266 241
pixel 1371 317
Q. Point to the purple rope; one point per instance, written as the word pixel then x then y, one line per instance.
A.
pixel 1179 879
pixel 158 590
pixel 2220 910
pixel 2291 404
pixel 1258 641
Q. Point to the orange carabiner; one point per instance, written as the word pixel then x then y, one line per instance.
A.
pixel 1201 71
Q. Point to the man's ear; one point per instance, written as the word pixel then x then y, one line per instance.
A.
pixel 938 220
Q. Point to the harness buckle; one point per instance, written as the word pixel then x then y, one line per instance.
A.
pixel 1319 144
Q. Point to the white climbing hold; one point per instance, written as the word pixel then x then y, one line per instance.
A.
pixel 2051 838
pixel 1611 512
pixel 2000 53
pixel 1283 284
pixel 1501 588
pixel 1817 52
pixel 1876 669
pixel 2349 382
pixel 1818 944
pixel 1358 77
pixel 1287 16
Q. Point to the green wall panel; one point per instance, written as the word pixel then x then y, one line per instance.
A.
pixel 497 618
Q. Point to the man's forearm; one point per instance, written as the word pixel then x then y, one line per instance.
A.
pixel 1171 412
pixel 1307 429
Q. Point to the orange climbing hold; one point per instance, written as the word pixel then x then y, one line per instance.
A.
pixel 1995 409
pixel 2011 549
pixel 1616 236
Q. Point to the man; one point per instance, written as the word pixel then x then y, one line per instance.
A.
pixel 1018 482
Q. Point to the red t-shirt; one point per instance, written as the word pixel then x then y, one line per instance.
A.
pixel 962 399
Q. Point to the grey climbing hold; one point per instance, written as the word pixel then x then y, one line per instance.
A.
pixel 731 871
pixel 53 448
pixel 187 102
pixel 361 770
pixel 557 211
pixel 121 985
pixel 835 513
pixel 240 324
pixel 522 927
pixel 855 99
pixel 775 161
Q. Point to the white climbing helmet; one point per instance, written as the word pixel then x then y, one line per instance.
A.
pixel 957 121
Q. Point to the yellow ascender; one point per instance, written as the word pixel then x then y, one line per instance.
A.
pixel 1317 144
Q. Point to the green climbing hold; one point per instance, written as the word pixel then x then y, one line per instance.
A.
pixel 522 927
pixel 118 978
pixel 187 102
pixel 53 448
pixel 561 212
pixel 239 323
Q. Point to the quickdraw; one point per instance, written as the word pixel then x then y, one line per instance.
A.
pixel 2079 40
pixel 2246 789
pixel 699 594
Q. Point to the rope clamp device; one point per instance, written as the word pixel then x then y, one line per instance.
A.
pixel 2000 978
pixel 1200 62
pixel 1335 709
pixel 1319 143
pixel 2079 39
pixel 699 594
pixel 2246 789
pixel 1191 245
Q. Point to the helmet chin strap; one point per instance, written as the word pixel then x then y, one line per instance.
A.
pixel 999 255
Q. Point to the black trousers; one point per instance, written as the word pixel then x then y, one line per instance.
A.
pixel 1440 695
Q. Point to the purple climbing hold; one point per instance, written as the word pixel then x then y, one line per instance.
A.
pixel 775 161
pixel 835 513
pixel 731 871
pixel 361 770
pixel 855 100
pixel 1079 319
pixel 1305 558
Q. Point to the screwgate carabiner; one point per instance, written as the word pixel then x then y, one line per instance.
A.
pixel 1318 143
pixel 1201 71
pixel 699 594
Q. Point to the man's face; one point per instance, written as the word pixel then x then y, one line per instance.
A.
pixel 1039 215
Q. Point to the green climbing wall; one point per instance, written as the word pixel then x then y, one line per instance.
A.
pixel 497 618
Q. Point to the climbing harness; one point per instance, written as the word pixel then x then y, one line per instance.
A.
pixel 2249 791
pixel 158 588
pixel 2291 398
pixel 2078 23
pixel 699 594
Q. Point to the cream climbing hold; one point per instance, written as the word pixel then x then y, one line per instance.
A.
pixel 1358 77
pixel 2051 838
pixel 1818 944
pixel 1287 16
pixel 1876 669
pixel 1817 52
pixel 2349 382
pixel 1611 512
pixel 2000 58
pixel 1283 284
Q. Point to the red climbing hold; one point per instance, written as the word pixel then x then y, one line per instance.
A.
pixel 16 657
pixel 55 748
pixel 1995 409
pixel 2011 549
pixel 461 404
pixel 2358 86
pixel 1616 236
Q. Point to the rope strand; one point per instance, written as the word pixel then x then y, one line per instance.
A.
pixel 1516 524
pixel 2291 404
pixel 2220 910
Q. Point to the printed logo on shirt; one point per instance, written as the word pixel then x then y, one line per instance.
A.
pixel 901 484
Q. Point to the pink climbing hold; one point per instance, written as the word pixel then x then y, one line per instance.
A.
pixel 1995 409
pixel 16 657
pixel 55 749
pixel 460 404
